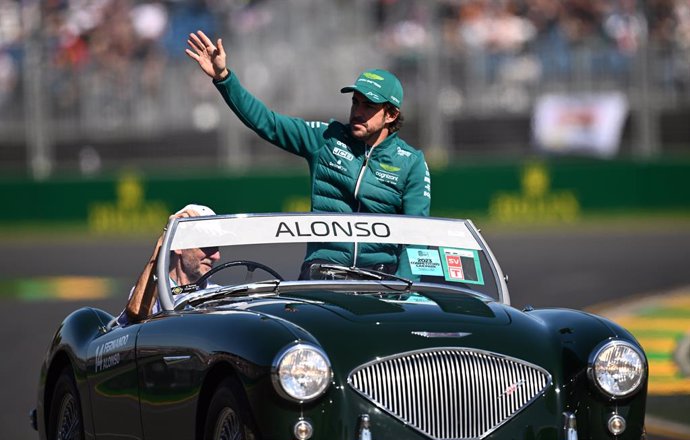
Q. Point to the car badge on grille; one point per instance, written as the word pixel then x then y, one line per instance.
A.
pixel 512 388
pixel 442 334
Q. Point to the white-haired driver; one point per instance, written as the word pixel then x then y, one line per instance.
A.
pixel 186 267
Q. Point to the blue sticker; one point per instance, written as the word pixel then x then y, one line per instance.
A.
pixel 425 262
pixel 419 299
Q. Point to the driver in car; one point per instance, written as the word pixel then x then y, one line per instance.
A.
pixel 187 266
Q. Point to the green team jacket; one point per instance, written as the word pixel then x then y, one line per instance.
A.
pixel 393 179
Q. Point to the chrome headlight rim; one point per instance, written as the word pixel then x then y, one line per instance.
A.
pixel 611 343
pixel 278 383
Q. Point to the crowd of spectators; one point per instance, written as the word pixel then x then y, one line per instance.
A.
pixel 500 25
pixel 551 30
pixel 106 36
pixel 112 35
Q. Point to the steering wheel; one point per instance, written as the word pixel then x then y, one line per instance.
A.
pixel 250 265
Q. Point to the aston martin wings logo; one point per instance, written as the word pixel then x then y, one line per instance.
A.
pixel 441 334
pixel 389 168
pixel 373 76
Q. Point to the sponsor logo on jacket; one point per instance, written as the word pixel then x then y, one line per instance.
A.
pixel 427 182
pixel 343 153
pixel 338 166
pixel 390 168
pixel 384 176
pixel 404 153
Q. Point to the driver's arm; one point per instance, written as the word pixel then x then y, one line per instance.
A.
pixel 145 291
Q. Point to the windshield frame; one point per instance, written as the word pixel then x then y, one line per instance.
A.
pixel 184 233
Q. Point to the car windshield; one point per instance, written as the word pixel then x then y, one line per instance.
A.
pixel 245 249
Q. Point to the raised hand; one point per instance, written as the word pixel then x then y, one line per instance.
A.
pixel 211 58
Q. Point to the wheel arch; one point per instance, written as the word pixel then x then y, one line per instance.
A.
pixel 217 374
pixel 60 362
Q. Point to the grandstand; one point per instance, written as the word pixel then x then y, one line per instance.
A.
pixel 100 85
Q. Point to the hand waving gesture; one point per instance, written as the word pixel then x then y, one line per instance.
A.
pixel 211 58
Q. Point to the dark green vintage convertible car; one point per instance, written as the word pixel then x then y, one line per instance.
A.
pixel 424 345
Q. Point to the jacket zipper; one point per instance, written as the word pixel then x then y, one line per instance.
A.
pixel 367 154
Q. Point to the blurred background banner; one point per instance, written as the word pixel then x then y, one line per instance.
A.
pixel 587 124
pixel 529 191
pixel 92 87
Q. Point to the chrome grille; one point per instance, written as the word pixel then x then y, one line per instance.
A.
pixel 450 393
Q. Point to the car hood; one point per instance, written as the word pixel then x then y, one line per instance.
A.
pixel 357 328
pixel 316 309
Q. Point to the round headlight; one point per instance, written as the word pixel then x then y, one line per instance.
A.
pixel 301 372
pixel 618 368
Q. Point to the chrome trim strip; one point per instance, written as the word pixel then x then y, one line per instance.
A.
pixel 170 360
pixel 163 268
pixel 503 293
pixel 425 334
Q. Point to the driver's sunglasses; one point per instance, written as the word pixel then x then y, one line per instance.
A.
pixel 209 250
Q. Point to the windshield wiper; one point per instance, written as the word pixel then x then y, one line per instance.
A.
pixel 337 271
pixel 201 297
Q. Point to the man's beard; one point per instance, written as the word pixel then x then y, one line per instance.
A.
pixel 361 134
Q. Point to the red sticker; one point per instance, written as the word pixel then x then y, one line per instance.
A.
pixel 455 267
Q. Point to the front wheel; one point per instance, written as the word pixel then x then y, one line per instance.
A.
pixel 65 421
pixel 224 420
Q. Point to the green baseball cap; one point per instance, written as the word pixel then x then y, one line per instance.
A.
pixel 378 86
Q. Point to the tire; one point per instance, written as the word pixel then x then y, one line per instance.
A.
pixel 225 419
pixel 66 420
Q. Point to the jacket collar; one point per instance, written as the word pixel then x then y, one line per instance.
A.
pixel 359 147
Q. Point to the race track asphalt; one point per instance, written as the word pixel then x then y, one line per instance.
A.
pixel 612 269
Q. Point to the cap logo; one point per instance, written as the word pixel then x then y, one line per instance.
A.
pixel 372 76
pixel 368 81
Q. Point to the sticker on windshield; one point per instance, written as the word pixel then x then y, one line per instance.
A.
pixel 461 265
pixel 425 262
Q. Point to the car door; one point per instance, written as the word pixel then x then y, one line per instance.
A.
pixel 114 385
pixel 171 367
